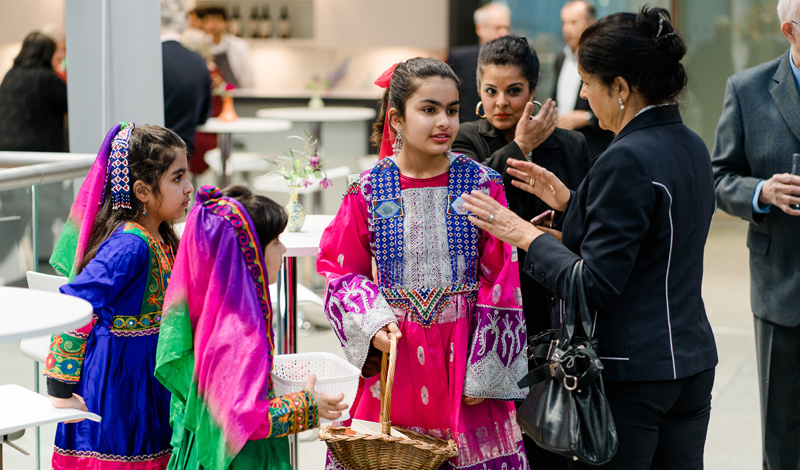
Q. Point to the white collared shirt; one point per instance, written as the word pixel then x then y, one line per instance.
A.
pixel 569 83
pixel 171 37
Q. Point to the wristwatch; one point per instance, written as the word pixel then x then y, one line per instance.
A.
pixel 588 116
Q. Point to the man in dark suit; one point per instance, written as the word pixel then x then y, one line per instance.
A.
pixel 187 81
pixel 492 21
pixel 573 111
pixel 758 132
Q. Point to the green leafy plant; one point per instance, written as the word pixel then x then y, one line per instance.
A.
pixel 299 167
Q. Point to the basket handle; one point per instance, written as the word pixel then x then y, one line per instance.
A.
pixel 387 379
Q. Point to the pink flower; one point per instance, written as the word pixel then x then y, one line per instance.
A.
pixel 314 161
pixel 325 183
pixel 306 183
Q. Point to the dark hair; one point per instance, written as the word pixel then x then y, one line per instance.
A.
pixel 642 48
pixel 406 80
pixel 214 11
pixel 151 151
pixel 510 50
pixel 199 12
pixel 37 51
pixel 269 217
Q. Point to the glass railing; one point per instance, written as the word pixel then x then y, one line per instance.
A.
pixel 36 193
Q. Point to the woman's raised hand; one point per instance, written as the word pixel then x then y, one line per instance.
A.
pixel 381 338
pixel 330 407
pixel 530 133
pixel 491 216
pixel 541 183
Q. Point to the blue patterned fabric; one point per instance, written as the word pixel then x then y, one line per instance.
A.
pixel 117 380
pixel 387 213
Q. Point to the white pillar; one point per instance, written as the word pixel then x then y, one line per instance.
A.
pixel 114 70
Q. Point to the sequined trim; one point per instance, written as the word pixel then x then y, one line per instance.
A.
pixel 426 305
pixel 292 413
pixel 381 190
pixel 160 259
pixel 65 361
pixel 252 256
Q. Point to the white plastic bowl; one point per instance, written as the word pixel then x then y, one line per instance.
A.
pixel 334 376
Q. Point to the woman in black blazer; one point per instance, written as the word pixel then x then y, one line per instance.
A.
pixel 639 221
pixel 508 72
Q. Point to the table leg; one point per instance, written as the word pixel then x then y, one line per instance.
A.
pixel 287 327
pixel 225 146
pixel 316 129
pixel 38 429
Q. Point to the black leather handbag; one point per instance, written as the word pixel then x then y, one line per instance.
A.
pixel 566 411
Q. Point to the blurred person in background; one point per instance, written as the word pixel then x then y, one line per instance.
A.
pixel 203 142
pixel 508 72
pixel 231 54
pixel 758 132
pixel 492 21
pixel 59 62
pixel 187 84
pixel 195 18
pixel 574 112
pixel 33 100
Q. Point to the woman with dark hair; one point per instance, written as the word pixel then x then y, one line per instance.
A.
pixel 508 72
pixel 447 291
pixel 639 221
pixel 33 100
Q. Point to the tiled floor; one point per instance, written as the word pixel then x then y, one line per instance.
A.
pixel 734 438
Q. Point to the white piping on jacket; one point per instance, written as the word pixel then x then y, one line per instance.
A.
pixel 666 280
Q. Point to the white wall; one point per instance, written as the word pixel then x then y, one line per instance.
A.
pixel 20 17
pixel 381 23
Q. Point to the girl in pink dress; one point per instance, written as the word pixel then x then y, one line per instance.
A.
pixel 448 291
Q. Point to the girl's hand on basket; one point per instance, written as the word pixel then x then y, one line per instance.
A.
pixel 75 401
pixel 330 407
pixel 381 338
pixel 472 401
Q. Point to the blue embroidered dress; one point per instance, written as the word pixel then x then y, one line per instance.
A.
pixel 110 362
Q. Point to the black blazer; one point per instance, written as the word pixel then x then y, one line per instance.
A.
pixel 597 138
pixel 464 62
pixel 565 153
pixel 640 221
pixel 187 91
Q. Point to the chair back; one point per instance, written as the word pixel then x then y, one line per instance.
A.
pixel 38 348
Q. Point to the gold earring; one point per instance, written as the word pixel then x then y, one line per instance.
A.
pixel 478 110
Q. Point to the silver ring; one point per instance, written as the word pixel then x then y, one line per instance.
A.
pixel 490 219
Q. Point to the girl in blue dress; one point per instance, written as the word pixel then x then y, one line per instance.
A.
pixel 117 250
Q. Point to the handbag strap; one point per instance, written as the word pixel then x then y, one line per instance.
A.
pixel 580 302
pixel 567 327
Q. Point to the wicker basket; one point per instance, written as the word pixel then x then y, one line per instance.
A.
pixel 386 452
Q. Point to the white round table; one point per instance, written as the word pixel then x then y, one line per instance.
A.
pixel 242 125
pixel 29 313
pixel 316 116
